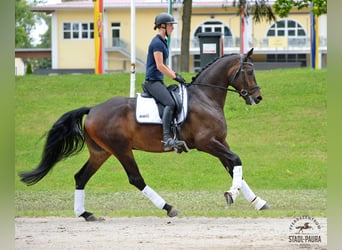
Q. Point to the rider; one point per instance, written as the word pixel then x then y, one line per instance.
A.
pixel 156 68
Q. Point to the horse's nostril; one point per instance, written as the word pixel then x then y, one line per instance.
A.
pixel 258 99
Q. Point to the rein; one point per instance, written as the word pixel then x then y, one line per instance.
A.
pixel 218 87
pixel 242 92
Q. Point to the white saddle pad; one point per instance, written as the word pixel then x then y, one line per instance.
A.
pixel 147 109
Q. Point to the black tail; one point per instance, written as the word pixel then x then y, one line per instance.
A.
pixel 64 139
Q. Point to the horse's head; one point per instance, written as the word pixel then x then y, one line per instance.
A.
pixel 243 80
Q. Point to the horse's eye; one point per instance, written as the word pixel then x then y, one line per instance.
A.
pixel 250 72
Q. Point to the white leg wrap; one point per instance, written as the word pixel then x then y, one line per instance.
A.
pixel 247 191
pixel 237 177
pixel 154 197
pixel 258 203
pixel 236 184
pixel 79 202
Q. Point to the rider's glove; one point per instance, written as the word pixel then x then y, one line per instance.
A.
pixel 179 79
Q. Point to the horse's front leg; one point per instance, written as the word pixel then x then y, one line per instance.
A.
pixel 233 164
pixel 256 201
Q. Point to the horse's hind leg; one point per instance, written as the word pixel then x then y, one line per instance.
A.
pixel 135 178
pixel 97 158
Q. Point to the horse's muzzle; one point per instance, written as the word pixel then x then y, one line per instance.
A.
pixel 251 99
pixel 257 99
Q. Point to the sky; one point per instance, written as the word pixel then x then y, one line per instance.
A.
pixel 41 29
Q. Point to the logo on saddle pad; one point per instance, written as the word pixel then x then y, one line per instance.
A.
pixel 147 109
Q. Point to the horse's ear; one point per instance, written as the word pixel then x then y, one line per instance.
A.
pixel 249 54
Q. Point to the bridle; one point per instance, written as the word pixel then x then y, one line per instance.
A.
pixel 245 91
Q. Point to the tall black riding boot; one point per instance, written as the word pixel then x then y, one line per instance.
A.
pixel 169 143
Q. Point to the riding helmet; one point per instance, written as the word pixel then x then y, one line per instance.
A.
pixel 163 18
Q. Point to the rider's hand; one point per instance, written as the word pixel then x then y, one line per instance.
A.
pixel 179 79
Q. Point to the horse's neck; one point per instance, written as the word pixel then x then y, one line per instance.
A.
pixel 215 87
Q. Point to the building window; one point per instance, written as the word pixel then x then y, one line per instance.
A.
pixel 116 34
pixel 295 37
pixel 216 26
pixel 287 28
pixel 294 32
pixel 78 30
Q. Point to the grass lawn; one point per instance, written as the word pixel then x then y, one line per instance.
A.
pixel 282 143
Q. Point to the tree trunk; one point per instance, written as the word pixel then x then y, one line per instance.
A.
pixel 185 42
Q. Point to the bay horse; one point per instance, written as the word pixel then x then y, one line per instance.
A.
pixel 110 128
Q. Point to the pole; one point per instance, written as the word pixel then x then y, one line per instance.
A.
pixel 132 85
pixel 242 30
pixel 317 64
pixel 169 38
pixel 98 35
pixel 313 41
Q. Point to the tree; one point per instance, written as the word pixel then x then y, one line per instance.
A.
pixel 185 44
pixel 29 69
pixel 283 7
pixel 24 23
pixel 45 39
pixel 45 42
pixel 260 10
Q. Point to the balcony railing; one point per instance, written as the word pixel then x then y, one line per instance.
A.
pixel 266 43
pixel 117 42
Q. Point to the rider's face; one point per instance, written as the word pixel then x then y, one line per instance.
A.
pixel 169 28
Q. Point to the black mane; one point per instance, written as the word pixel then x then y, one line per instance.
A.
pixel 208 65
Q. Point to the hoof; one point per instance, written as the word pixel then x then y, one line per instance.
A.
pixel 90 217
pixel 94 218
pixel 231 195
pixel 173 212
pixel 265 207
pixel 229 198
